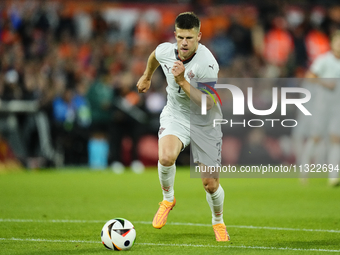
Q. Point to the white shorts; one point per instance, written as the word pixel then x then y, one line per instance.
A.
pixel 207 152
pixel 171 126
pixel 204 150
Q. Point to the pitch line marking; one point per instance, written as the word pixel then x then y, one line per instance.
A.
pixel 174 245
pixel 175 223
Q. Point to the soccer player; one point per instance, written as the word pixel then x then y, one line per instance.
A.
pixel 327 107
pixel 181 62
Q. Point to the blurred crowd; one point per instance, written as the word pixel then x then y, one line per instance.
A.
pixel 80 62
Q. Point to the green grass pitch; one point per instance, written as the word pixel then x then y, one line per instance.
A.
pixel 63 211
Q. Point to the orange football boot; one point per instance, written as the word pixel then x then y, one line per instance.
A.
pixel 221 233
pixel 162 214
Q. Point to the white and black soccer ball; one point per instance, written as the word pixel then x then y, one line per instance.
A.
pixel 118 234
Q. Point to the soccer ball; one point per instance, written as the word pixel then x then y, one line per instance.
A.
pixel 118 234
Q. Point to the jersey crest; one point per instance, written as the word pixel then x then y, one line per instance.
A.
pixel 190 74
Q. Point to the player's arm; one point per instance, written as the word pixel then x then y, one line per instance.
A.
pixel 193 93
pixel 323 82
pixel 144 82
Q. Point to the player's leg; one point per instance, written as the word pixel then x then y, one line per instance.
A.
pixel 301 132
pixel 215 199
pixel 298 145
pixel 308 153
pixel 169 147
pixel 334 159
pixel 207 153
pixel 314 146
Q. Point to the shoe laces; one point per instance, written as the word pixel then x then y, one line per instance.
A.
pixel 165 205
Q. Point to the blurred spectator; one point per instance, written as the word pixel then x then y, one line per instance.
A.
pixel 36 123
pixel 240 32
pixel 298 26
pixel 100 97
pixel 317 43
pixel 128 121
pixel 8 160
pixel 83 25
pixel 316 40
pixel 99 25
pixel 146 28
pixel 9 124
pixel 65 23
pixel 223 48
pixel 72 118
pixel 41 18
pixel 331 23
pixel 278 47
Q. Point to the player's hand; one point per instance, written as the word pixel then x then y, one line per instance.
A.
pixel 178 70
pixel 143 84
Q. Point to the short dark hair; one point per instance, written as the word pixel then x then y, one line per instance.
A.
pixel 187 20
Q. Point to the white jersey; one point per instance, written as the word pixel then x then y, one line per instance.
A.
pixel 202 66
pixel 327 101
pixel 326 66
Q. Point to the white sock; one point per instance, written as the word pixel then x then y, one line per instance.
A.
pixel 334 159
pixel 215 202
pixel 167 179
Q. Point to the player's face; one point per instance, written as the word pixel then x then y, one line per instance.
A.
pixel 187 41
pixel 336 46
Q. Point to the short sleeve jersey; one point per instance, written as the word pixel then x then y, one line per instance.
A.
pixel 201 66
pixel 326 66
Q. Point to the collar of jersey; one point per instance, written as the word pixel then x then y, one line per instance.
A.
pixel 184 61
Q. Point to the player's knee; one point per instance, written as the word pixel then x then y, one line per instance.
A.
pixel 210 185
pixel 167 159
